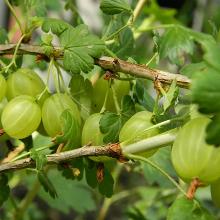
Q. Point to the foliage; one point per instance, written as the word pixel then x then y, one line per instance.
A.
pixel 156 181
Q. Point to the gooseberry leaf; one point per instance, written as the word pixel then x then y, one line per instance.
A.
pixel 213 131
pixel 80 47
pixel 124 44
pixel 205 90
pixel 81 90
pixel 74 169
pixel 47 184
pixel 212 54
pixel 128 108
pixel 71 131
pixel 112 7
pixel 183 208
pixel 91 176
pixel 5 190
pixel 170 96
pixel 175 43
pixel 111 123
pixel 39 158
pixel 107 185
pixel 54 25
pixel 72 195
pixel 192 68
pixel 142 96
pixel 3 36
pixel 32 7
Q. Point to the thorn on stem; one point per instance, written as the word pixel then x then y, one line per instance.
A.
pixel 1 132
pixel 194 185
pixel 100 172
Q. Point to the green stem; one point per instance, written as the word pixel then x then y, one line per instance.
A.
pixel 137 11
pixel 116 32
pixel 13 202
pixel 148 144
pixel 124 79
pixel 61 77
pixel 135 157
pixel 162 26
pixel 152 58
pixel 28 153
pixel 2 64
pixel 130 21
pixel 110 53
pixel 55 76
pixel 15 16
pixel 117 106
pixel 147 130
pixel 13 61
pixel 108 201
pixel 106 97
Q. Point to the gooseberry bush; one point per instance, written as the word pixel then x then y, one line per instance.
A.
pixel 135 131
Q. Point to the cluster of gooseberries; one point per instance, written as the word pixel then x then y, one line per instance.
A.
pixel 27 107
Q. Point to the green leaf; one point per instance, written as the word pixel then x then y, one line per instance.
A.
pixel 3 36
pixel 112 7
pixel 142 95
pixel 183 209
pixel 162 159
pixel 170 96
pixel 57 26
pixel 136 214
pixel 206 90
pixel 111 123
pixel 5 190
pixel 72 195
pixel 124 45
pixel 81 91
pixel 39 158
pixel 106 187
pixel 113 24
pixel 128 108
pixel 74 169
pixel 80 47
pixel 91 176
pixel 213 131
pixel 190 69
pixel 32 7
pixel 163 14
pixel 212 55
pixel 175 43
pixel 71 131
pixel 47 184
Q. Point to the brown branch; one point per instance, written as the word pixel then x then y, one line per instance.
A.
pixel 109 150
pixel 108 63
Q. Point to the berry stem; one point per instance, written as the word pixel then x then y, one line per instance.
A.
pixel 135 157
pixel 194 185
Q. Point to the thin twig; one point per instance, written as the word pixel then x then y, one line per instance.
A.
pixel 113 150
pixel 109 150
pixel 135 157
pixel 14 14
pixel 108 63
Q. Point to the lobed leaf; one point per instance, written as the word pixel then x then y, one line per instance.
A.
pixel 175 43
pixel 80 48
pixel 71 131
pixel 112 7
pixel 183 208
